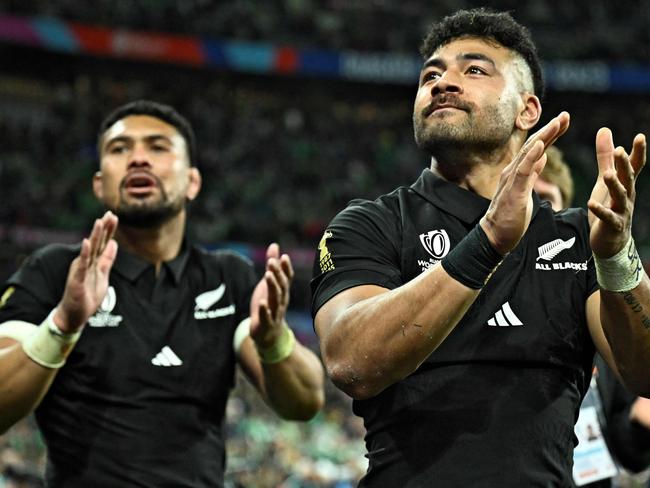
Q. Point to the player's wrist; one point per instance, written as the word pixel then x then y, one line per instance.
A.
pixel 473 260
pixel 48 345
pixel 67 323
pixel 621 272
pixel 279 349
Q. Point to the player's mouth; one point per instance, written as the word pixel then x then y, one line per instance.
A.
pixel 447 105
pixel 140 183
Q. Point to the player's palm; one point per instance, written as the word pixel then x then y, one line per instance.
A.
pixel 87 281
pixel 612 199
pixel 270 298
pixel 510 211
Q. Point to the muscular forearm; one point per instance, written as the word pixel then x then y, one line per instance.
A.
pixel 625 317
pixel 294 386
pixel 23 383
pixel 386 336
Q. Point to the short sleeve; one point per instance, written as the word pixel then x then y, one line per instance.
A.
pixel 359 247
pixel 36 288
pixel 242 272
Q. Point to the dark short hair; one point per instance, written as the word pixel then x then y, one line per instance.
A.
pixel 487 24
pixel 166 113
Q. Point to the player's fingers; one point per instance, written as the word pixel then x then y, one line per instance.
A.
pixel 550 132
pixel 604 150
pixel 273 251
pixel 274 289
pixel 618 195
pixel 281 278
pixel 534 159
pixel 109 223
pixel 605 214
pixel 624 170
pixel 638 154
pixel 106 260
pixel 287 266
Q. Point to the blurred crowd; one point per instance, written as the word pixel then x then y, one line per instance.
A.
pixel 601 29
pixel 279 155
pixel 275 165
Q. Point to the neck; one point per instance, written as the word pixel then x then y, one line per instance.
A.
pixel 156 245
pixel 476 172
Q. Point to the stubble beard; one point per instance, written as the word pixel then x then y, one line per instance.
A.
pixel 443 139
pixel 147 214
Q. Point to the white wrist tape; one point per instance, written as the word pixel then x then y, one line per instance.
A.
pixel 241 333
pixel 48 345
pixel 282 348
pixel 621 272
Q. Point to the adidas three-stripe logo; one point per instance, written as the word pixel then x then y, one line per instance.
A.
pixel 166 357
pixel 505 317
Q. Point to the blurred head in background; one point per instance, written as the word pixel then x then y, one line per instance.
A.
pixel 555 183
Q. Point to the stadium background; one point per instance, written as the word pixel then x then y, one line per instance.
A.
pixel 299 106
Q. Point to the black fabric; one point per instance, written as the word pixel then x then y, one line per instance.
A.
pixel 113 417
pixel 495 404
pixel 473 260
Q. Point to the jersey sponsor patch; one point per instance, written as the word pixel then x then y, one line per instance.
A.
pixel 325 257
pixel 103 317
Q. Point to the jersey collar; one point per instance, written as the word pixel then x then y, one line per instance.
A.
pixel 131 266
pixel 449 197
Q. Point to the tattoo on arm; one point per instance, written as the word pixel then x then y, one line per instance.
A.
pixel 637 308
pixel 635 260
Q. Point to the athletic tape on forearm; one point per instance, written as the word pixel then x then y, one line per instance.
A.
pixel 48 346
pixel 282 348
pixel 621 272
pixel 473 260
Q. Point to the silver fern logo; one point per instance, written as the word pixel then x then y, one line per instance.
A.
pixel 436 243
pixel 205 300
pixel 551 249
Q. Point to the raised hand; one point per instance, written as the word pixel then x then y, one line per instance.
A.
pixel 611 204
pixel 87 281
pixel 270 299
pixel 509 213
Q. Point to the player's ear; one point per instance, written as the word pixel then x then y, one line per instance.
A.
pixel 98 187
pixel 530 113
pixel 194 184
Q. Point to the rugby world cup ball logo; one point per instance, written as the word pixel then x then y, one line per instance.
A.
pixel 436 243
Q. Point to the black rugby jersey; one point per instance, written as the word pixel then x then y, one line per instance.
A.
pixel 141 399
pixel 495 404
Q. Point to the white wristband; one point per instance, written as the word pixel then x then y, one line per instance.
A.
pixel 621 272
pixel 48 345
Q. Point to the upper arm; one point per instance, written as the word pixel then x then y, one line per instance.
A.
pixel 597 333
pixel 336 306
